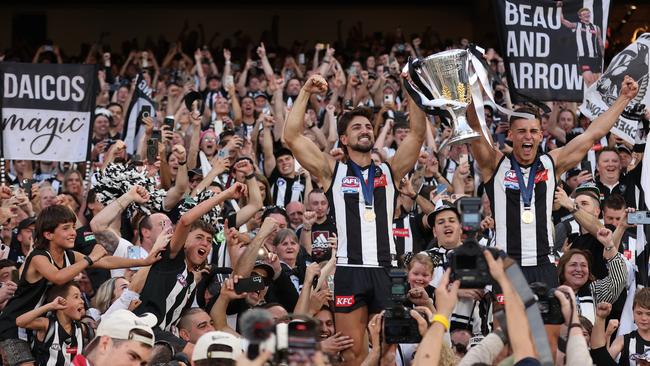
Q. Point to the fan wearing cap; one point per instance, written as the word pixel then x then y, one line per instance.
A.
pixel 611 180
pixel 585 208
pixel 24 240
pixel 520 186
pixel 280 167
pixel 362 198
pixel 445 223
pixel 122 339
pixel 216 348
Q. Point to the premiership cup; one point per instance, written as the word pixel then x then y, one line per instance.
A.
pixel 442 81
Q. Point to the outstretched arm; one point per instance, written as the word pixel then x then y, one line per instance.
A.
pixel 185 223
pixel 564 22
pixel 409 150
pixel 308 154
pixel 486 156
pixel 568 156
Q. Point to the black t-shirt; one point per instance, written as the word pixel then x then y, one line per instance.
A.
pixel 320 250
pixel 626 187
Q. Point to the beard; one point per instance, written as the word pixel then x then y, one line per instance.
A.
pixel 362 148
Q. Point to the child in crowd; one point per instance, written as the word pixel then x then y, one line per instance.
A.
pixel 53 262
pixel 638 341
pixel 60 335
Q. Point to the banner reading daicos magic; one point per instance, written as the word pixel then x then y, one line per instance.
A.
pixel 551 47
pixel 46 111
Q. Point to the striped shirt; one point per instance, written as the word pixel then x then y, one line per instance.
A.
pixel 587 40
pixel 528 244
pixel 361 242
pixel 285 190
pixel 58 348
pixel 169 289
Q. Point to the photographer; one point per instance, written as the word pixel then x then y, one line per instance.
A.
pixel 446 224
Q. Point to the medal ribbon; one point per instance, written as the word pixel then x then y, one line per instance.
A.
pixel 367 188
pixel 526 190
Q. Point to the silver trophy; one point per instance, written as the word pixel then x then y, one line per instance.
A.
pixel 442 81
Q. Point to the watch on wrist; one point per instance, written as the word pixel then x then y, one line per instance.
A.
pixel 250 176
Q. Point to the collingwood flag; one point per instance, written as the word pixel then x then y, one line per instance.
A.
pixel 141 101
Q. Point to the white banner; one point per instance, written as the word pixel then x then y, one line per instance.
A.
pixel 63 137
pixel 47 111
pixel 634 61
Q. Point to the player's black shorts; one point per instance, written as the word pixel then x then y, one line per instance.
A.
pixel 355 287
pixel 593 64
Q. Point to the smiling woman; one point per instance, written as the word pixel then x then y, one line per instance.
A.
pixel 574 270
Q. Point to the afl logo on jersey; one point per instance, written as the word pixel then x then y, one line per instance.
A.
pixel 350 184
pixel 281 182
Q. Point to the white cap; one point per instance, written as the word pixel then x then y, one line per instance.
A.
pixel 204 350
pixel 120 323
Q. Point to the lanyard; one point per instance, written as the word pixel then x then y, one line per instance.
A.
pixel 526 190
pixel 368 187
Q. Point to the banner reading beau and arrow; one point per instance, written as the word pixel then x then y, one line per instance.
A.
pixel 552 49
pixel 46 111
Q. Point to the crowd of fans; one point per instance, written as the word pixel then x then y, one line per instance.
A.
pixel 160 257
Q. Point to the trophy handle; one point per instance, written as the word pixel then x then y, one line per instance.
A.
pixel 414 65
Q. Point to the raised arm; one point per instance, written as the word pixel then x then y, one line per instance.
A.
pixel 255 200
pixel 573 152
pixel 218 312
pixel 564 22
pixel 308 154
pixel 267 145
pixel 35 320
pixel 246 262
pixel 185 223
pixel 176 193
pixel 409 150
pixel 484 153
pixel 110 214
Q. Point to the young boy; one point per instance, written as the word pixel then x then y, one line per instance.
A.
pixel 53 262
pixel 60 335
pixel 638 341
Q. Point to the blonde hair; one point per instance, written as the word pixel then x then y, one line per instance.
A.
pixel 423 259
pixel 104 296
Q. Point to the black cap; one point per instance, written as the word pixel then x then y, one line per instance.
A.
pixel 282 151
pixel 440 207
pixel 265 266
pixel 26 223
pixel 195 172
pixel 623 148
pixel 589 188
pixel 260 94
pixel 572 173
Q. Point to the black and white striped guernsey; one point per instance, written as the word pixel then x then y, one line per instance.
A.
pixel 528 244
pixel 28 296
pixel 285 190
pixel 169 289
pixel 360 242
pixel 58 348
pixel 632 344
pixel 587 40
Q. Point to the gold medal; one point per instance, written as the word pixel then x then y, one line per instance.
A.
pixel 527 216
pixel 369 214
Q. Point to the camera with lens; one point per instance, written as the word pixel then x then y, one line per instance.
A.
pixel 295 342
pixel 399 326
pixel 549 305
pixel 467 261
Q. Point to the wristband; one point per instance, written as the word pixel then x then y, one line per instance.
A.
pixel 182 163
pixel 442 320
pixel 305 229
pixel 87 259
pixel 250 176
